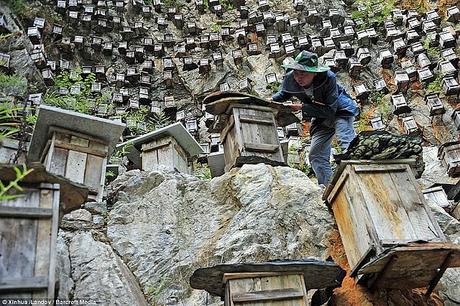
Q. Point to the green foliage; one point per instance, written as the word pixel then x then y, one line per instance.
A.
pixel 227 5
pixel 215 27
pixel 373 12
pixel 4 189
pixel 158 120
pixel 12 85
pixel 203 172
pixel 433 52
pixel 123 151
pixel 154 291
pixel 84 102
pixel 8 124
pixel 18 7
pixel 274 87
pixel 435 86
pixel 383 106
pixel 31 119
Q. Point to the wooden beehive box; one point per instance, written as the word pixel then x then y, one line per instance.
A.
pixel 171 147
pixel 29 226
pixel 267 284
pixel 449 154
pixel 390 236
pixel 74 146
pixel 248 128
pixel 28 231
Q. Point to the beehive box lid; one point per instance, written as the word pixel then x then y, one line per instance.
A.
pixel 106 130
pixel 411 265
pixel 176 130
pixel 72 194
pixel 218 103
pixel 317 274
pixel 334 186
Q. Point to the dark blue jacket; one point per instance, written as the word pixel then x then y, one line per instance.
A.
pixel 335 102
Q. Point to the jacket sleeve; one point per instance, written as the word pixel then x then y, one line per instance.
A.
pixel 281 96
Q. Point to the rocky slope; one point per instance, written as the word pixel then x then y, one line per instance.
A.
pixel 161 226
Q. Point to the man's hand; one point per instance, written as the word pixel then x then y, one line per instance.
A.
pixel 295 107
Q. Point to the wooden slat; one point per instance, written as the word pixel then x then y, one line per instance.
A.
pixel 74 147
pixel 261 147
pixel 23 284
pixel 75 168
pixel 53 243
pixel 378 168
pixel 93 171
pixel 150 147
pixel 25 212
pixel 43 246
pixel 256 120
pixel 415 208
pixel 18 239
pixel 79 141
pixel 240 275
pixel 58 161
pixel 227 129
pixel 385 207
pixel 267 295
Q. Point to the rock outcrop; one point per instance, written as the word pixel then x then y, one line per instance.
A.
pixel 158 227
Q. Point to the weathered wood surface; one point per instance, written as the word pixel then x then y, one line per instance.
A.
pixel 437 196
pixel 375 204
pixel 286 290
pixel 78 158
pixel 317 274
pixel 165 151
pixel 28 245
pixel 412 265
pixel 251 137
pixel 72 194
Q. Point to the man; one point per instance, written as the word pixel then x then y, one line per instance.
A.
pixel 332 109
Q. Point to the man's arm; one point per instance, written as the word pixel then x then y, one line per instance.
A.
pixel 281 96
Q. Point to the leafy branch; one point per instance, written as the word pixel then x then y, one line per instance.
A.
pixel 20 174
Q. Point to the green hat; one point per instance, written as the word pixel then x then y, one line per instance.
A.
pixel 306 61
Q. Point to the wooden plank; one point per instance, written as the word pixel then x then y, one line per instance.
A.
pixel 268 295
pixel 437 229
pixel 261 147
pixel 75 168
pixel 385 207
pixel 355 225
pixel 228 127
pixel 414 205
pixel 240 275
pixel 79 141
pixel 74 147
pixel 166 157
pixel 43 246
pixel 156 143
pixel 25 212
pixel 93 171
pixel 23 284
pixel 377 168
pixel 53 242
pixel 58 161
pixel 150 147
pixel 256 120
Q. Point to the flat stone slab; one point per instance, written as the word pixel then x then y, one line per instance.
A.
pixel 317 273
pixel 176 130
pixel 48 116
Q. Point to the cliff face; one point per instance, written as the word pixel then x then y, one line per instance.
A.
pixel 161 226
